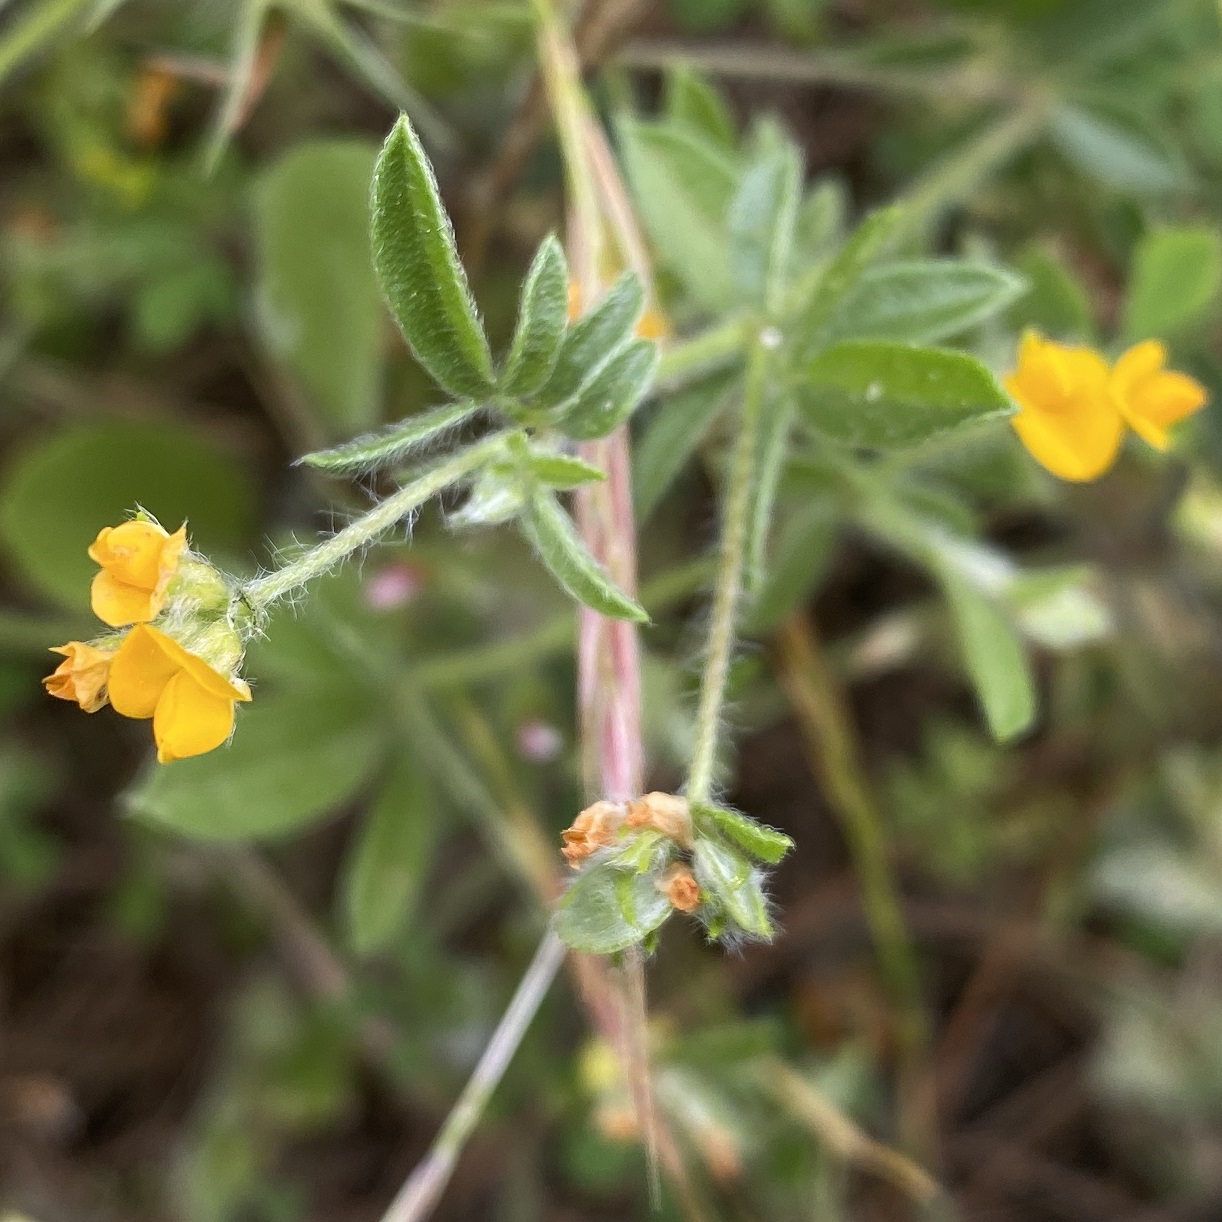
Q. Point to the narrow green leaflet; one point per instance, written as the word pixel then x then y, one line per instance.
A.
pixel 613 393
pixel 542 312
pixel 555 539
pixel 867 243
pixel 1117 149
pixel 765 843
pixel 393 444
pixel 592 340
pixel 563 471
pixel 884 395
pixel 606 910
pixel 690 99
pixel 995 659
pixel 923 300
pixel 417 264
pixel 297 757
pixel 732 884
pixel 674 432
pixel 821 219
pixel 1175 279
pixel 761 221
pixel 388 859
pixel 683 183
pixel 34 30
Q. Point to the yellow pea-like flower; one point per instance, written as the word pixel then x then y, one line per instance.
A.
pixel 138 560
pixel 82 676
pixel 1067 416
pixel 191 704
pixel 1150 397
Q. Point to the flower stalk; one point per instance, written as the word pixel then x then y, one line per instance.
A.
pixel 263 592
pixel 727 592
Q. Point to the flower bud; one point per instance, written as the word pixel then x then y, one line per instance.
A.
pixel 199 586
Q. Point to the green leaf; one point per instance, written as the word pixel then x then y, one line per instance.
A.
pixel 683 185
pixel 884 395
pixel 802 552
pixel 1117 148
pixel 563 471
pixel 60 491
pixel 387 863
pixel 761 221
pixel 1174 282
pixel 1058 607
pixel 1056 302
pixel 542 313
pixel 923 300
pixel 391 445
pixel 421 277
pixel 296 757
pixel 555 539
pixel 613 393
pixel 318 305
pixel 821 219
pixel 693 101
pixel 591 341
pixel 732 884
pixel 766 843
pixel 868 242
pixel 995 659
pixel 675 431
pixel 605 910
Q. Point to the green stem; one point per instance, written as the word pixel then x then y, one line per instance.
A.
pixel 264 591
pixel 727 592
pixel 688 359
pixel 956 175
pixel 974 82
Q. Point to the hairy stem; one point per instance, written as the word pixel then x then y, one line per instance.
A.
pixel 727 592
pixel 262 592
pixel 688 359
pixel 819 707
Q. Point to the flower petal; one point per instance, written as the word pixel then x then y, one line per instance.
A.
pixel 1077 445
pixel 140 672
pixel 118 604
pixel 1161 401
pixel 82 676
pixel 204 675
pixel 190 719
pixel 1137 363
pixel 131 551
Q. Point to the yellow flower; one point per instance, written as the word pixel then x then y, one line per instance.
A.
pixel 1150 397
pixel 138 559
pixel 82 676
pixel 191 704
pixel 1067 416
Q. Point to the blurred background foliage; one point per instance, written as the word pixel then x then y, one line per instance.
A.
pixel 196 1027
